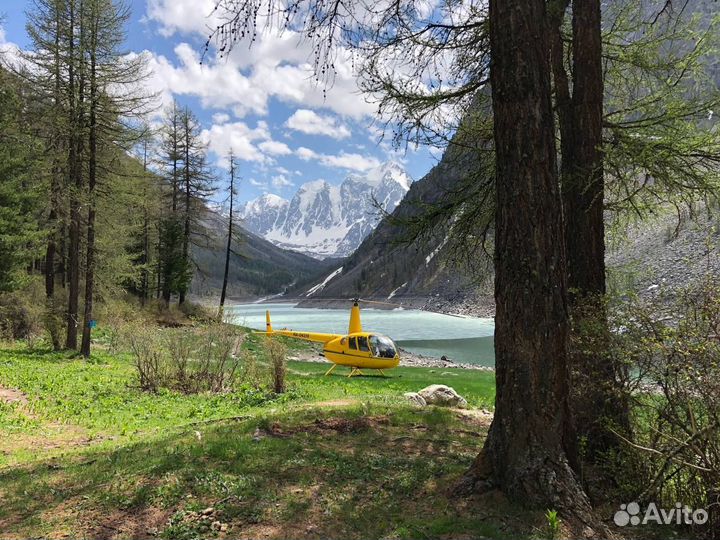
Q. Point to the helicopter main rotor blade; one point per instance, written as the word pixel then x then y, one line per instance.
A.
pixel 402 306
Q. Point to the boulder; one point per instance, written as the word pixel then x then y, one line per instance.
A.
pixel 415 398
pixel 439 394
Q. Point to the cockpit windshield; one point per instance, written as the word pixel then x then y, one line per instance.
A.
pixel 382 347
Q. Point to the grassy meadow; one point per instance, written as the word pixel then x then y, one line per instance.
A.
pixel 85 453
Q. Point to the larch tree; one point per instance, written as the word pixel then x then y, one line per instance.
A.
pixel 530 448
pixel 228 246
pixel 197 186
pixel 113 102
pixel 91 89
pixel 189 184
pixel 57 66
pixel 171 267
pixel 579 108
pixel 46 68
pixel 20 201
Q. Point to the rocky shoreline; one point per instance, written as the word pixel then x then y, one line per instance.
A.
pixel 481 306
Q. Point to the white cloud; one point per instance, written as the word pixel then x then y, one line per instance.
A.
pixel 343 160
pixel 194 16
pixel 238 137
pixel 355 162
pixel 280 181
pixel 258 184
pixel 310 122
pixel 275 148
pixel 277 65
pixel 305 153
pixel 220 118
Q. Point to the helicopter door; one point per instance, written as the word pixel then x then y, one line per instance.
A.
pixel 363 345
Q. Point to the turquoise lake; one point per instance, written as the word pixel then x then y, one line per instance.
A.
pixel 461 339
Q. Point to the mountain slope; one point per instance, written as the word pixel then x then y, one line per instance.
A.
pixel 323 220
pixel 257 267
pixel 387 266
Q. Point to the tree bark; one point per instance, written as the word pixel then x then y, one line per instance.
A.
pixel 597 400
pixel 529 450
pixel 583 186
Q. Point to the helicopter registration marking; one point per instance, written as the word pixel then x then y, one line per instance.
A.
pixel 300 335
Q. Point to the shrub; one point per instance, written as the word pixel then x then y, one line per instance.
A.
pixel 22 314
pixel 189 360
pixel 276 353
pixel 673 454
pixel 150 361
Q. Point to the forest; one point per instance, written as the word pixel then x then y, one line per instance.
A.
pixel 572 121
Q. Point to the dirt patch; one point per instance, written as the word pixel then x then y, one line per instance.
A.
pixel 144 523
pixel 323 425
pixel 332 403
pixel 476 417
pixel 11 396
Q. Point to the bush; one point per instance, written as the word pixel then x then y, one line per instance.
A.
pixel 673 454
pixel 189 360
pixel 22 314
pixel 15 319
pixel 276 353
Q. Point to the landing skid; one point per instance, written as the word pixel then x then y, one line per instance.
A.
pixel 354 371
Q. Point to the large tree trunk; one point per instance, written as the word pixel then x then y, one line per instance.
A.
pixel 528 451
pixel 597 400
pixel 583 186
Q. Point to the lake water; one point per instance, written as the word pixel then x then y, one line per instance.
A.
pixel 468 340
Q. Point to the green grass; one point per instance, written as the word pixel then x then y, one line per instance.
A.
pixel 92 455
pixel 478 387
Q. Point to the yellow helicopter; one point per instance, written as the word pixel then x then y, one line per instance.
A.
pixel 356 349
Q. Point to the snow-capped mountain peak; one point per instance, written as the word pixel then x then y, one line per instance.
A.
pixel 390 171
pixel 270 199
pixel 327 220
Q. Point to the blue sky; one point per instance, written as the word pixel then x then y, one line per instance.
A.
pixel 261 101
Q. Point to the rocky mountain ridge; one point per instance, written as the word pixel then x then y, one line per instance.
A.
pixel 324 220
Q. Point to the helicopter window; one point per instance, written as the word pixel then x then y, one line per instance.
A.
pixel 382 347
pixel 363 343
pixel 353 343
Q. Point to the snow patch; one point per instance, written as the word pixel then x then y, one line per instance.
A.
pixel 436 251
pixel 321 286
pixel 396 290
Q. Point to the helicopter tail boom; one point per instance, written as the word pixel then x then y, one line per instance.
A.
pixel 307 336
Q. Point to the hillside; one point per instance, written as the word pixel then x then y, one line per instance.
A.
pixel 391 265
pixel 257 267
pixel 665 254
